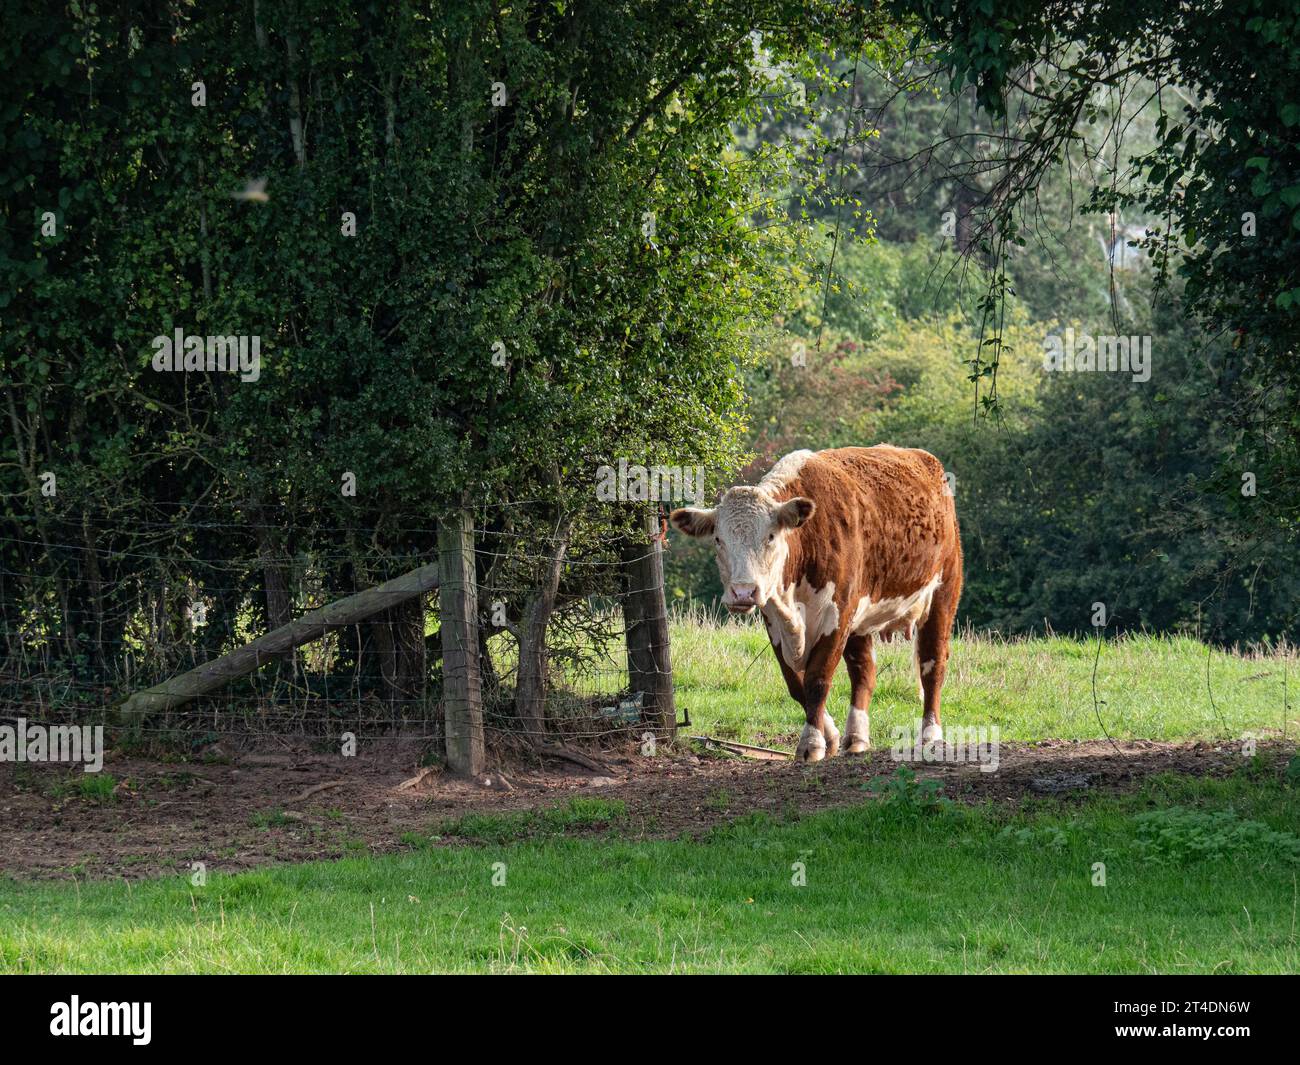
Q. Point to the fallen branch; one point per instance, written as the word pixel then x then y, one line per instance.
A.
pixel 406 785
pixel 566 754
pixel 765 754
pixel 316 789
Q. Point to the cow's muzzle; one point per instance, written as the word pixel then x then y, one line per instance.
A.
pixel 741 598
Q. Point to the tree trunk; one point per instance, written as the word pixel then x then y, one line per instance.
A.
pixel 530 687
pixel 275 586
pixel 296 129
pixel 398 642
pixel 486 667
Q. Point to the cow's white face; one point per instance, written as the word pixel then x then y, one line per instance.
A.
pixel 749 532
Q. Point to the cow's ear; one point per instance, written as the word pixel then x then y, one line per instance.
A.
pixel 794 512
pixel 693 521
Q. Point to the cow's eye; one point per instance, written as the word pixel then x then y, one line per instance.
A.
pixel 718 540
pixel 771 537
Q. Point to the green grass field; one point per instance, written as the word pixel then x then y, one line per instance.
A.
pixel 1199 875
pixel 889 887
pixel 1148 687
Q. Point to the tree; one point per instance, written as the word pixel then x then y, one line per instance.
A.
pixel 1223 177
pixel 483 249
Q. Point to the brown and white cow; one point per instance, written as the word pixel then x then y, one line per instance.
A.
pixel 837 549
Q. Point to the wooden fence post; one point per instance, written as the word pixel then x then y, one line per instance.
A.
pixel 458 602
pixel 645 615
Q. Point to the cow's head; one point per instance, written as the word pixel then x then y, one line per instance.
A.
pixel 749 531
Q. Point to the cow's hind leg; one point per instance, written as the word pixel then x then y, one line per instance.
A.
pixel 860 659
pixel 932 640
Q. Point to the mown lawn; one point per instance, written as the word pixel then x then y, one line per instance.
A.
pixel 1148 687
pixel 1209 886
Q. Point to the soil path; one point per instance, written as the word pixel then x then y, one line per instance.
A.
pixel 238 807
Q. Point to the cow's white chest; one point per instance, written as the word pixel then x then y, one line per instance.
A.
pixel 798 616
pixel 870 617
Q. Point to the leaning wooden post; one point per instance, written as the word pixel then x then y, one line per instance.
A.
pixel 458 602
pixel 645 615
pixel 214 675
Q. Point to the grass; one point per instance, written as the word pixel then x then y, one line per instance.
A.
pixel 268 819
pixel 1200 876
pixel 97 787
pixel 1148 687
pixel 578 813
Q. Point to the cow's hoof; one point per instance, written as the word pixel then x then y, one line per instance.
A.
pixel 857 732
pixel 832 737
pixel 932 733
pixel 812 745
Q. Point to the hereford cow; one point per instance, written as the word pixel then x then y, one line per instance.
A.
pixel 836 549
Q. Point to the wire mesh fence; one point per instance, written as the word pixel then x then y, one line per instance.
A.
pixel 92 613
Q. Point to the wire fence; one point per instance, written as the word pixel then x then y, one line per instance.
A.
pixel 91 612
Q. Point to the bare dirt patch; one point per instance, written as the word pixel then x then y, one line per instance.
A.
pixel 241 805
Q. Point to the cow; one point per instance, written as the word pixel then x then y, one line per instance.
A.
pixel 836 549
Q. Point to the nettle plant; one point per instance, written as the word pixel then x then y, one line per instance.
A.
pixel 903 794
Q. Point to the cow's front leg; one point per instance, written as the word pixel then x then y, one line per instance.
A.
pixel 793 679
pixel 820 737
pixel 818 742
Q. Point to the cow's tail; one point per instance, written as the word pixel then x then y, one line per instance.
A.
pixel 916 658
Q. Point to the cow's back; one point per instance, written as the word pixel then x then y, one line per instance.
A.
pixel 885 523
